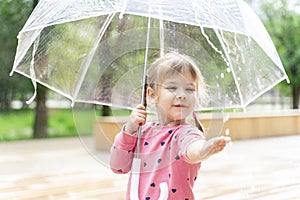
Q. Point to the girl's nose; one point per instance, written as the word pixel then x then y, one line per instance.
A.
pixel 180 95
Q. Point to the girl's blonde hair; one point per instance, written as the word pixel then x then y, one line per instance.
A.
pixel 171 63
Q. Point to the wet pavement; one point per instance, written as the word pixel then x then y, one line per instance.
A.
pixel 260 169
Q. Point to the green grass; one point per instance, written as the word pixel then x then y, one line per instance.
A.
pixel 61 123
pixel 18 124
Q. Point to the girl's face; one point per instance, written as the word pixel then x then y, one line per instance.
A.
pixel 175 98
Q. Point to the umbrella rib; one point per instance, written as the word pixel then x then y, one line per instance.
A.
pixel 264 91
pixel 92 52
pixel 46 85
pixel 146 60
pixel 144 87
pixel 162 37
pixel 230 65
pixel 32 71
pixel 124 5
pixel 21 52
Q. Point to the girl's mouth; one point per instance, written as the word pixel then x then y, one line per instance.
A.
pixel 179 106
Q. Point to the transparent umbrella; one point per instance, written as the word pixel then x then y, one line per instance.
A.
pixel 97 52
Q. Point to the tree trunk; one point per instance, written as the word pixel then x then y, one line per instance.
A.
pixel 296 96
pixel 41 114
pixel 106 111
pixel 4 100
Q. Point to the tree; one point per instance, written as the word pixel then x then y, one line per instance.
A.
pixel 12 17
pixel 40 126
pixel 285 28
pixel 283 24
pixel 41 112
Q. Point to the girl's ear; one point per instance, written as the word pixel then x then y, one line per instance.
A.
pixel 151 95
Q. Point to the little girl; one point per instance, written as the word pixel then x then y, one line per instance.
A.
pixel 171 149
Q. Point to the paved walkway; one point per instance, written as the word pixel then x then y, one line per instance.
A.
pixel 261 169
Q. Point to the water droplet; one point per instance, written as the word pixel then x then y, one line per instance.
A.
pixel 227 132
pixel 249 39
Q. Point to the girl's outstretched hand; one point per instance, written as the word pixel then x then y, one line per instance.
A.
pixel 137 118
pixel 202 149
pixel 214 145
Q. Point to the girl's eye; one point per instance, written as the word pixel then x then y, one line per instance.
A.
pixel 190 89
pixel 171 88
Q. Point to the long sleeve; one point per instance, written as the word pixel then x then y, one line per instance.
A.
pixel 122 152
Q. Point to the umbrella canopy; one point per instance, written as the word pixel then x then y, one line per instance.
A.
pixel 97 51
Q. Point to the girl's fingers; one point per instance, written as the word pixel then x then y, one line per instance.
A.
pixel 220 143
pixel 227 139
pixel 138 116
pixel 141 107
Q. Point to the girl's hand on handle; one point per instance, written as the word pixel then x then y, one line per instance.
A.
pixel 137 118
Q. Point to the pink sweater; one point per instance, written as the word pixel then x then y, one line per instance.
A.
pixel 163 155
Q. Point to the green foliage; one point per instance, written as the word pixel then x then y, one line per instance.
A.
pixel 282 20
pixel 61 123
pixel 17 124
pixel 283 24
pixel 12 17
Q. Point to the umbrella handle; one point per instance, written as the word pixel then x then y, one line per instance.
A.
pixel 164 191
pixel 135 178
pixel 144 95
pixel 136 163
